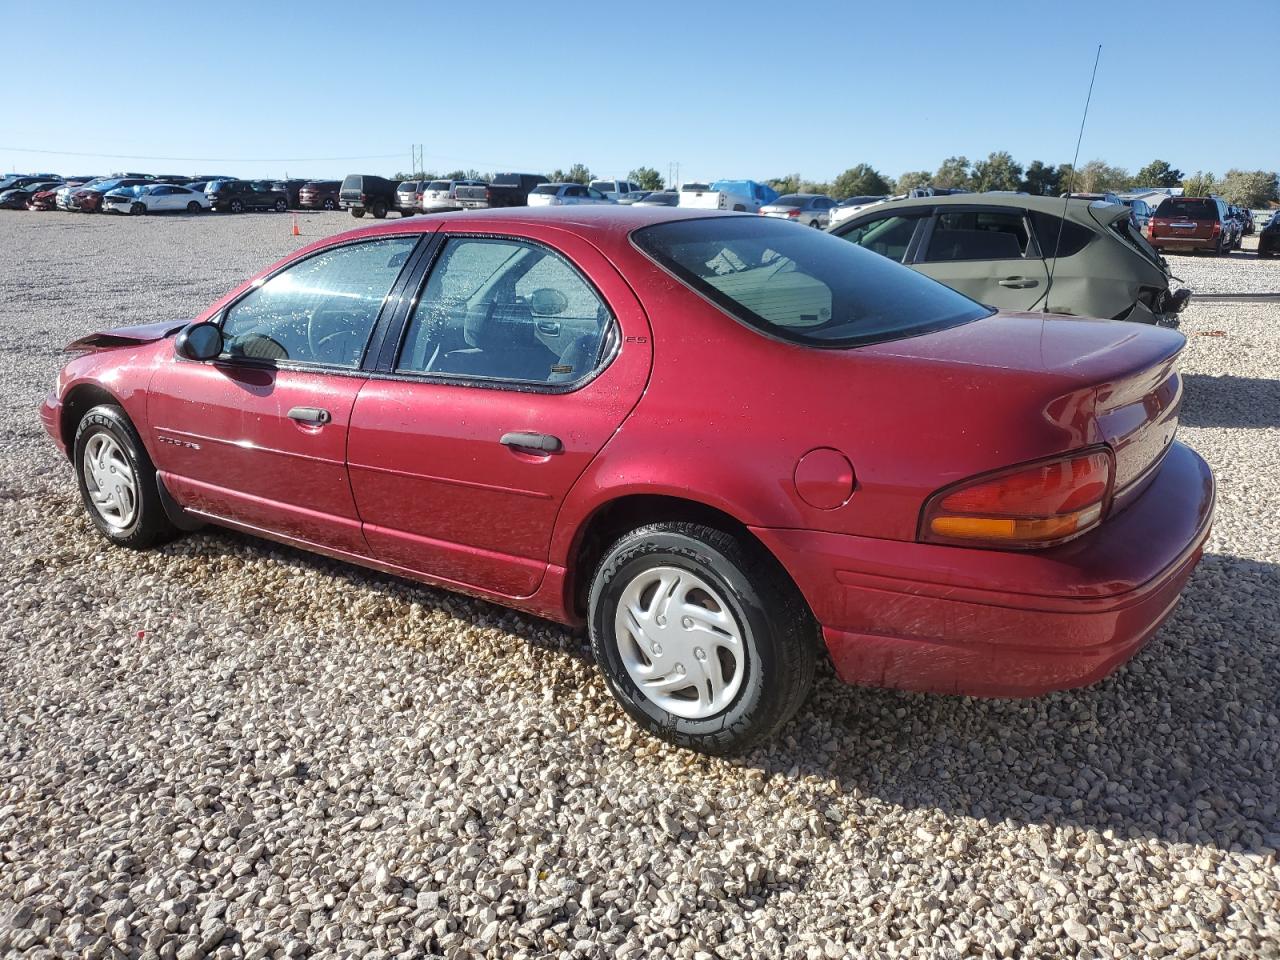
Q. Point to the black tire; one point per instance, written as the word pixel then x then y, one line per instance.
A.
pixel 149 524
pixel 193 207
pixel 779 637
pixel 329 204
pixel 237 206
pixel 138 209
pixel 407 213
pixel 379 210
pixel 357 212
pixel 281 206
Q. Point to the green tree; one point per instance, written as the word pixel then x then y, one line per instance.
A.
pixel 1249 188
pixel 1097 176
pixel 1041 179
pixel 998 172
pixel 646 178
pixel 912 179
pixel 813 186
pixel 578 173
pixel 784 185
pixel 862 180
pixel 1199 184
pixel 1157 173
pixel 954 172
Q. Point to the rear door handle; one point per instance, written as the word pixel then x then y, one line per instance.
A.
pixel 543 442
pixel 310 415
pixel 1019 283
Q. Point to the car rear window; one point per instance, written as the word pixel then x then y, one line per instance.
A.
pixel 409 186
pixel 438 185
pixel 790 200
pixel 551 188
pixel 804 286
pixel 1190 209
pixel 353 182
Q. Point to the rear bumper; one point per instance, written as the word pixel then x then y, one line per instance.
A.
pixel 990 623
pixel 1183 243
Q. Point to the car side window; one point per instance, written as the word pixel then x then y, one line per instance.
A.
pixel 1049 227
pixel 888 236
pixel 596 194
pixel 977 235
pixel 320 310
pixel 505 310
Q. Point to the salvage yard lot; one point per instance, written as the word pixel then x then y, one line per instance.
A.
pixel 230 748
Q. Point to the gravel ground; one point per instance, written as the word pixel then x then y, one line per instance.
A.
pixel 226 748
pixel 1239 272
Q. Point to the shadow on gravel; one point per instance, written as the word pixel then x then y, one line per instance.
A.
pixel 1229 401
pixel 1178 745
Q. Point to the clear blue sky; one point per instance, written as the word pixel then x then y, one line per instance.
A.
pixel 727 89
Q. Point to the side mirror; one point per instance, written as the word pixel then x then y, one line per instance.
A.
pixel 199 341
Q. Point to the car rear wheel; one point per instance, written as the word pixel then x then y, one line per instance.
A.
pixel 702 639
pixel 138 209
pixel 118 481
pixel 193 207
pixel 328 204
pixel 237 206
pixel 379 210
pixel 281 206
pixel 357 212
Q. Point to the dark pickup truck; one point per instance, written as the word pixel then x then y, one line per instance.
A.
pixel 505 190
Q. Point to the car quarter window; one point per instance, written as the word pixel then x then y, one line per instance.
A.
pixel 889 236
pixel 1049 227
pixel 505 309
pixel 320 310
pixel 978 235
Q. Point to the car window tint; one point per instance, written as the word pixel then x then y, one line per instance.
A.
pixel 805 286
pixel 505 310
pixel 888 236
pixel 977 235
pixel 1047 226
pixel 322 309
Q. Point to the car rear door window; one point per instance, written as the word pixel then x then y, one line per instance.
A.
pixel 977 235
pixel 890 236
pixel 505 310
pixel 320 310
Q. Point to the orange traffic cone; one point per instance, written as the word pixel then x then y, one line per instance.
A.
pixel 296 231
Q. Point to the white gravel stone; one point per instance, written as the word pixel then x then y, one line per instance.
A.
pixel 232 749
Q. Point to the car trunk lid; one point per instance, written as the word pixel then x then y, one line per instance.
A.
pixel 1105 381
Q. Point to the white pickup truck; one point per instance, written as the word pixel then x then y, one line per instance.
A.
pixel 746 196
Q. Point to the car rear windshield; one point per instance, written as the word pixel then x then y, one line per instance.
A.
pixel 409 186
pixel 1190 209
pixel 353 182
pixel 552 188
pixel 439 185
pixel 791 200
pixel 804 286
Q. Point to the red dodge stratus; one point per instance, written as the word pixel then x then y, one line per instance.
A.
pixel 711 438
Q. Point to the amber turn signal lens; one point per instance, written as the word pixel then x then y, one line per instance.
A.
pixel 1033 505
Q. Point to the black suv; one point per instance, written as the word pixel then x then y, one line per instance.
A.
pixel 361 192
pixel 237 196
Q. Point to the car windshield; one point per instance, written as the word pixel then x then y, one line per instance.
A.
pixel 1190 209
pixel 805 286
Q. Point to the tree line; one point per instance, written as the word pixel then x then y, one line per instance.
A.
pixel 999 171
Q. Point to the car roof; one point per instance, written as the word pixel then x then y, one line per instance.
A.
pixel 1075 209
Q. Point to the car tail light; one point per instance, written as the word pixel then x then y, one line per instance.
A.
pixel 488 194
pixel 1217 230
pixel 1031 505
pixel 793 212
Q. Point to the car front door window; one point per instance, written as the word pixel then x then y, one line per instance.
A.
pixel 888 236
pixel 320 310
pixel 505 310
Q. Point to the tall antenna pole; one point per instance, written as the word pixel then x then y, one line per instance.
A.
pixel 1071 178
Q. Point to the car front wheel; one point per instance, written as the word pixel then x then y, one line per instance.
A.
pixel 701 637
pixel 328 204
pixel 237 206
pixel 281 206
pixel 118 481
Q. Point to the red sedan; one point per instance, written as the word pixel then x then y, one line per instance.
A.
pixel 714 439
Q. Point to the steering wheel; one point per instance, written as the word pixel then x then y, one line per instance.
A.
pixel 317 320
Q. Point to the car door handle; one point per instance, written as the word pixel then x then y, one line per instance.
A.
pixel 543 442
pixel 310 415
pixel 1018 283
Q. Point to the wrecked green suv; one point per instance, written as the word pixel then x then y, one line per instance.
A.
pixel 998 249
